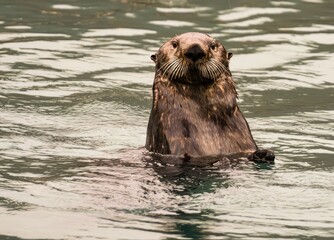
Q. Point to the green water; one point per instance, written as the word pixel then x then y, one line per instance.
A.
pixel 75 96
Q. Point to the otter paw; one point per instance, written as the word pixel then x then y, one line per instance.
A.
pixel 262 155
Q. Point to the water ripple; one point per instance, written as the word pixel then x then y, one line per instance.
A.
pixel 75 96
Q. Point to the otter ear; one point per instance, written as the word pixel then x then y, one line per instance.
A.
pixel 154 57
pixel 229 55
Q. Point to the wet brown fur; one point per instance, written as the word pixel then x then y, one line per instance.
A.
pixel 193 115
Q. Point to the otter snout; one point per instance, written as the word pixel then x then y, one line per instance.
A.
pixel 195 53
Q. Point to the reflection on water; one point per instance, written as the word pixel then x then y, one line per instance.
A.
pixel 75 95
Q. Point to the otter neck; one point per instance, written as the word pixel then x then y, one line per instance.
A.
pixel 218 97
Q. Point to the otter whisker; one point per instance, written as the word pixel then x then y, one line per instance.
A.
pixel 178 69
pixel 204 70
pixel 170 65
pixel 165 64
pixel 201 68
pixel 185 68
pixel 173 70
pixel 215 66
pixel 209 70
pixel 165 67
pixel 220 65
pixel 212 70
pixel 178 73
pixel 218 68
pixel 176 66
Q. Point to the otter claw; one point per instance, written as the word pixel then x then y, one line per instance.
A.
pixel 262 155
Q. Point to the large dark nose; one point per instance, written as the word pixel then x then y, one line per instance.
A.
pixel 195 52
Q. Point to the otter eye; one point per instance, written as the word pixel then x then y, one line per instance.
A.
pixel 213 47
pixel 175 44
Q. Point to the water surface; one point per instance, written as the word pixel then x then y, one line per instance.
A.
pixel 75 96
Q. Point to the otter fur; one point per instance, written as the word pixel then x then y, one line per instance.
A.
pixel 194 111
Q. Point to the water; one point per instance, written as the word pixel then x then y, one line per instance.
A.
pixel 75 96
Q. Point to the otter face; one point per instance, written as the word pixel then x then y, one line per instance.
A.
pixel 193 58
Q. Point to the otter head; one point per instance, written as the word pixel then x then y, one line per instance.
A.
pixel 193 58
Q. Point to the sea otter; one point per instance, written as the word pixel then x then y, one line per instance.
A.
pixel 194 111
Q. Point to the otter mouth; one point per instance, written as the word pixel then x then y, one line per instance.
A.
pixel 195 72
